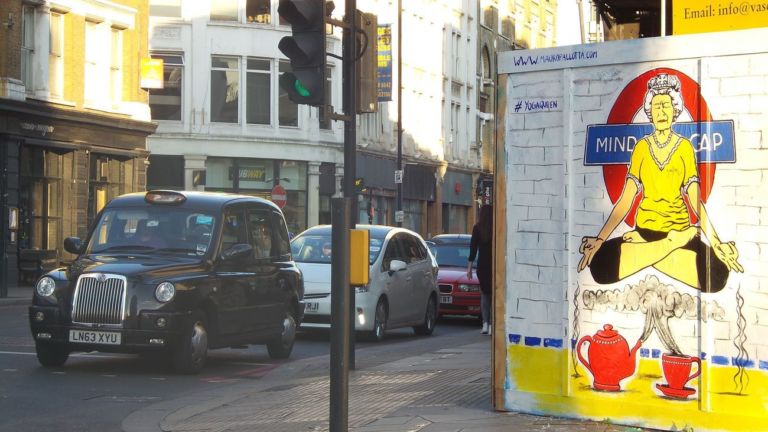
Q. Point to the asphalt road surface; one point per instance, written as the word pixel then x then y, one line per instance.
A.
pixel 96 391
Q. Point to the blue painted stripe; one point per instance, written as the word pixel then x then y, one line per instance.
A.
pixel 655 353
pixel 720 360
pixel 763 365
pixel 743 362
pixel 644 352
pixel 573 343
pixel 514 338
pixel 532 341
pixel 703 356
pixel 553 343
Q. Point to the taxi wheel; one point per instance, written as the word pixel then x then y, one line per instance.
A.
pixel 281 347
pixel 51 355
pixel 189 356
pixel 379 321
pixel 426 328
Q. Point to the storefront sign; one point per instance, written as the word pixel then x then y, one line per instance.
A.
pixel 251 173
pixel 385 62
pixel 36 128
pixel 700 16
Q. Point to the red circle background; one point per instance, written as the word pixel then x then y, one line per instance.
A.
pixel 630 100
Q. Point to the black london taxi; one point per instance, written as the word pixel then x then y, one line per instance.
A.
pixel 175 273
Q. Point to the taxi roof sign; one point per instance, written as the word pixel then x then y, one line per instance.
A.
pixel 164 197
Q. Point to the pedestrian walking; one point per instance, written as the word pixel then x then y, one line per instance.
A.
pixel 480 247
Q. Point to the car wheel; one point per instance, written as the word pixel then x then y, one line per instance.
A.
pixel 379 321
pixel 189 357
pixel 281 347
pixel 50 355
pixel 428 326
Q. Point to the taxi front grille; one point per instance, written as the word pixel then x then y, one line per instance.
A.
pixel 99 299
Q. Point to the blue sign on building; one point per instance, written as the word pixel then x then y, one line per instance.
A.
pixel 612 144
pixel 385 62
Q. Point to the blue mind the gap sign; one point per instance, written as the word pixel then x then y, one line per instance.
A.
pixel 612 144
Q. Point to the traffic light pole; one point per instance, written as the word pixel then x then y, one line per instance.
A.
pixel 399 112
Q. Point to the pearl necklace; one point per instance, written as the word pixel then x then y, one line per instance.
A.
pixel 666 143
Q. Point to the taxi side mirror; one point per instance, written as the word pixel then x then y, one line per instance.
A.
pixel 73 245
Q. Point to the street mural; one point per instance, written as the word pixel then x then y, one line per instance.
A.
pixel 659 153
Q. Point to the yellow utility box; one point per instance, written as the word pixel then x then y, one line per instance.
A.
pixel 358 257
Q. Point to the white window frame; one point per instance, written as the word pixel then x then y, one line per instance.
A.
pixel 268 73
pixel 29 16
pixel 180 66
pixel 116 65
pixel 96 90
pixel 237 73
pixel 56 56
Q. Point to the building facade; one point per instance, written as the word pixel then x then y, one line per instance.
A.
pixel 73 120
pixel 225 124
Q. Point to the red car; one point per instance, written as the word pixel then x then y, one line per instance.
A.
pixel 458 295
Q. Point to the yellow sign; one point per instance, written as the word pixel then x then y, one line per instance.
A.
pixel 702 16
pixel 151 73
pixel 358 257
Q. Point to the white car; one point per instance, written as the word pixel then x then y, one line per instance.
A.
pixel 402 288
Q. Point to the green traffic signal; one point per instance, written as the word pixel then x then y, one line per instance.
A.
pixel 300 89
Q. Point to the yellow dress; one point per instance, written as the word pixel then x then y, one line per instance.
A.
pixel 663 182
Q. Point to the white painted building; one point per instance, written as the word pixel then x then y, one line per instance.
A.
pixel 222 112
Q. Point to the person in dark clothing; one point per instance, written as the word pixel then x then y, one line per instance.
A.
pixel 481 247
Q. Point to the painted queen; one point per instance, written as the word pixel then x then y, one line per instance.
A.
pixel 662 167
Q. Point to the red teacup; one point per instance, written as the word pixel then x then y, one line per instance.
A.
pixel 677 369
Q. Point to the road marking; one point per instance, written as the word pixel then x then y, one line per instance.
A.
pixel 10 370
pixel 73 355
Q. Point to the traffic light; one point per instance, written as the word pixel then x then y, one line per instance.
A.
pixel 306 50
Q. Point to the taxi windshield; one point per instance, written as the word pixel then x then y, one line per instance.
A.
pixel 154 229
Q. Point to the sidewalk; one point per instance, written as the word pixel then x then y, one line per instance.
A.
pixel 443 391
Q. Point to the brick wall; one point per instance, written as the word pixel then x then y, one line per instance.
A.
pixel 553 200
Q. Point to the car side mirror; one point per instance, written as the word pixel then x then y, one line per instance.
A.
pixel 237 252
pixel 396 266
pixel 73 245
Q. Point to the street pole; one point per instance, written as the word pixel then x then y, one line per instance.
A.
pixel 399 184
pixel 4 231
pixel 340 321
pixel 349 55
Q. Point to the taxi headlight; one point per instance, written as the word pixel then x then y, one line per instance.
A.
pixel 469 288
pixel 45 286
pixel 165 292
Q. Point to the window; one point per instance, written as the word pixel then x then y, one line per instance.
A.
pixel 165 8
pixel 258 11
pixel 234 230
pixel 56 56
pixel 508 28
pixel 288 111
pixel 225 88
pixel 261 233
pixel 223 10
pixel 27 45
pixel 95 75
pixel 116 66
pixel 258 91
pixel 165 103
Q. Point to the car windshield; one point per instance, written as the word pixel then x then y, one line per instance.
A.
pixel 317 248
pixel 451 255
pixel 152 229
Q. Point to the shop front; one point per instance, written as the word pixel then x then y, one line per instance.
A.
pixel 60 167
pixel 457 202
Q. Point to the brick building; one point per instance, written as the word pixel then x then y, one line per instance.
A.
pixel 73 120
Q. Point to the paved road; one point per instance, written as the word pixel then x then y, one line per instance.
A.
pixel 95 392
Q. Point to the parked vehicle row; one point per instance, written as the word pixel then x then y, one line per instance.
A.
pixel 402 289
pixel 179 273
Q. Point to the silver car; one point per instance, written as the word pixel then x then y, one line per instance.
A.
pixel 402 289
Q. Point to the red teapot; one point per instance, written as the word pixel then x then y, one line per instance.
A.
pixel 610 359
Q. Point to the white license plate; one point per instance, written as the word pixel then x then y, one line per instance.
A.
pixel 446 299
pixel 311 306
pixel 94 337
